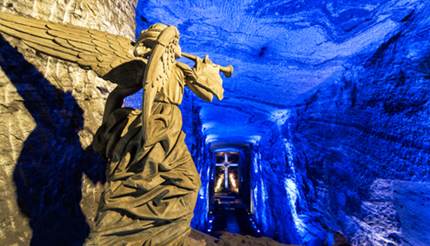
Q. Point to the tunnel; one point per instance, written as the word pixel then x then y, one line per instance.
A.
pixel 324 126
pixel 322 137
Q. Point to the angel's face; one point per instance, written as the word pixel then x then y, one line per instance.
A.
pixel 177 48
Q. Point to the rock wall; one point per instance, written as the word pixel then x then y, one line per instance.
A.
pixel 362 143
pixel 273 197
pixel 49 111
pixel 199 150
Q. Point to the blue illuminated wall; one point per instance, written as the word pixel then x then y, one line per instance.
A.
pixel 204 162
pixel 279 207
pixel 202 157
pixel 362 142
pixel 333 96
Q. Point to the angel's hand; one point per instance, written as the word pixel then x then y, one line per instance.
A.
pixel 206 66
pixel 208 76
pixel 206 71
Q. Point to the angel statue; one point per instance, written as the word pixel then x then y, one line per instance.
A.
pixel 152 182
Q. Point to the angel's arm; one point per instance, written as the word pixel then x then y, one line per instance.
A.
pixel 116 99
pixel 191 80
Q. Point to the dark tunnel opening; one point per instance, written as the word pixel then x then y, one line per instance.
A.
pixel 229 191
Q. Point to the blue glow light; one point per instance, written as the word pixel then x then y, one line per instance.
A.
pixel 292 192
pixel 331 97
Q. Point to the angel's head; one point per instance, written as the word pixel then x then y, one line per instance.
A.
pixel 156 34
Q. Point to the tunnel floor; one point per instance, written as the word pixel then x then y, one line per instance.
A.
pixel 232 219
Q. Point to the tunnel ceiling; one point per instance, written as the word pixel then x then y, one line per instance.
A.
pixel 281 50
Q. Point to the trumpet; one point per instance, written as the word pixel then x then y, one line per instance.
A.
pixel 226 70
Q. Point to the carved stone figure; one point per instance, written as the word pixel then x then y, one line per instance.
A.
pixel 152 183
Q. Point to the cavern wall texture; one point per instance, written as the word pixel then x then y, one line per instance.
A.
pixel 50 110
pixel 335 94
pixel 362 143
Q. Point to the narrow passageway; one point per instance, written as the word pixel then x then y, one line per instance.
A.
pixel 229 189
pixel 232 219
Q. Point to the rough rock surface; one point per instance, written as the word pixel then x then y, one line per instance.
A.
pixel 50 110
pixel 334 97
pixel 280 49
pixel 362 143
pixel 230 239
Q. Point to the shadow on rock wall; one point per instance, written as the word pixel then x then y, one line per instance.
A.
pixel 52 162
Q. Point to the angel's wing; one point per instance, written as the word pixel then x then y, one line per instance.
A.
pixel 157 74
pixel 110 56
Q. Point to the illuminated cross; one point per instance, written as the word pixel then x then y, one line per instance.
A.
pixel 226 164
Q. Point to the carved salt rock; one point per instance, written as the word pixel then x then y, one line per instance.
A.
pixel 16 120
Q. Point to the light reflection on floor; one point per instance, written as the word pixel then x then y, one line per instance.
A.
pixel 232 219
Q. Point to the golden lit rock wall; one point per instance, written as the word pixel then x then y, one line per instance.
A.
pixel 32 130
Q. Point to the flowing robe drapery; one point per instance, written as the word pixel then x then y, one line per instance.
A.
pixel 152 184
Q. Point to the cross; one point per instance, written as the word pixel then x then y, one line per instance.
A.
pixel 226 164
